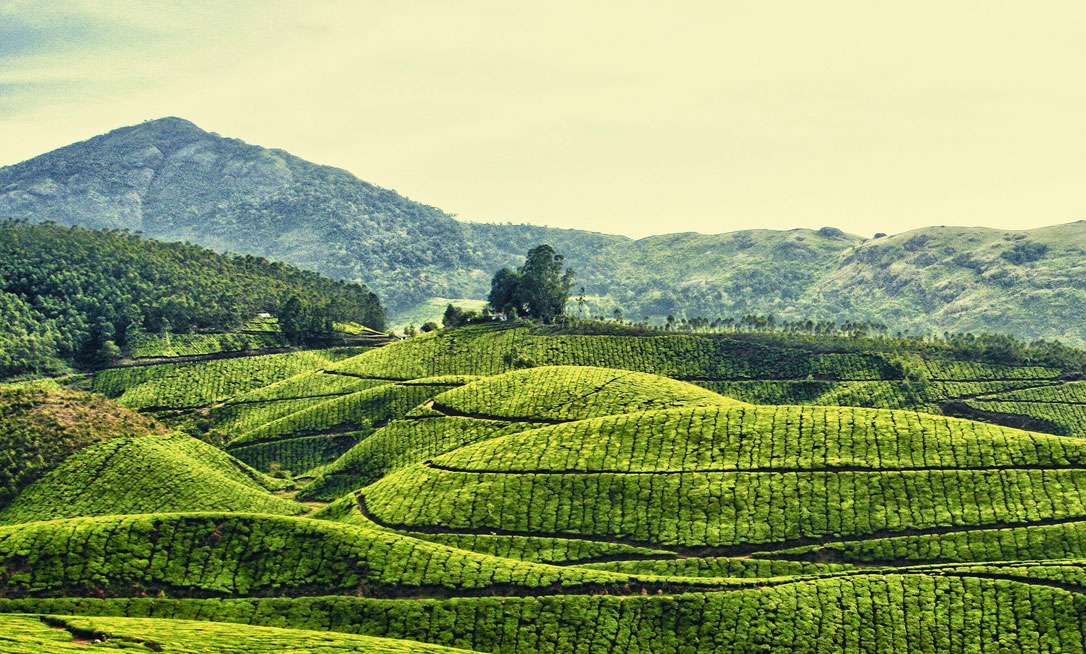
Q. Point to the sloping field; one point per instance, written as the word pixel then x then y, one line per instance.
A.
pixel 740 478
pixel 40 427
pixel 563 393
pixel 60 634
pixel 222 555
pixel 146 474
pixel 894 613
pixel 557 492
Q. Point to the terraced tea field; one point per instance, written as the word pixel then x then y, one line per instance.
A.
pixel 498 489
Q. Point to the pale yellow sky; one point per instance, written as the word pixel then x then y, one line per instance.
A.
pixel 627 117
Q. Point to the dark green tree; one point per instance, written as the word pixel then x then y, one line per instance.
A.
pixel 292 320
pixel 538 289
pixel 503 290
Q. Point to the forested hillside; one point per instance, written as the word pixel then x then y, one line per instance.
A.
pixel 72 295
pixel 174 181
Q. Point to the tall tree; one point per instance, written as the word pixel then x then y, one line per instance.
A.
pixel 292 320
pixel 538 289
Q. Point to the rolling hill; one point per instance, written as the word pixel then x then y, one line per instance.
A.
pixel 509 488
pixel 174 181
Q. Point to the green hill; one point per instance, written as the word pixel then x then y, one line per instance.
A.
pixel 508 488
pixel 563 393
pixel 173 181
pixel 40 427
pixel 146 474
pixel 739 479
pixel 82 296
pixel 500 405
pixel 222 555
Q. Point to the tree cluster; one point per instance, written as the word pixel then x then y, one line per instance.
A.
pixel 538 289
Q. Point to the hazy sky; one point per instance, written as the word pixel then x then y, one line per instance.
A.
pixel 629 117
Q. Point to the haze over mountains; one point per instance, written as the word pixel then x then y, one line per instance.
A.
pixel 173 181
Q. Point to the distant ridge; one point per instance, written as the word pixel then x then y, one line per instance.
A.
pixel 171 180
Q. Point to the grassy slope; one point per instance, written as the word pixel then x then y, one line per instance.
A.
pixel 741 478
pixel 891 613
pixel 230 554
pixel 41 426
pixel 660 500
pixel 562 393
pixel 60 634
pixel 144 475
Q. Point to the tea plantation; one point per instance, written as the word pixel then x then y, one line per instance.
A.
pixel 513 489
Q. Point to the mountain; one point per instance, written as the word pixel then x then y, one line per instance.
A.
pixel 174 181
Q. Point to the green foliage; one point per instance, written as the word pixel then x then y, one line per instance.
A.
pixel 1026 252
pixel 197 384
pixel 454 317
pixel 564 393
pixel 84 307
pixel 215 554
pixel 54 635
pixel 146 474
pixel 176 345
pixel 740 476
pixel 556 551
pixel 302 322
pixel 40 427
pixel 494 348
pixel 710 566
pixel 570 507
pixel 1039 541
pixel 893 613
pixel 400 443
pixel 354 412
pixel 299 456
pixel 538 289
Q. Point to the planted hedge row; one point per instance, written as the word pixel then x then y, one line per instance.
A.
pixel 558 551
pixel 143 475
pixel 754 437
pixel 1066 417
pixel 876 613
pixel 312 383
pixel 486 350
pixel 179 385
pixel 231 554
pixel 1043 541
pixel 1070 393
pixel 302 455
pixel 915 396
pixel 400 443
pixel 734 510
pixel 563 393
pixel 491 350
pixel 353 412
pixel 718 566
pixel 53 635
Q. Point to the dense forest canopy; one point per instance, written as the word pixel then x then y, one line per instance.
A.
pixel 69 294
